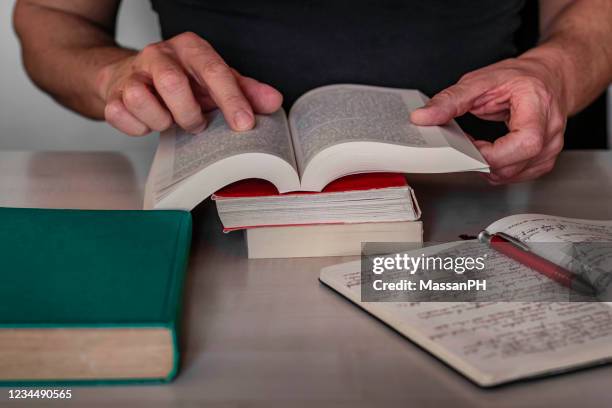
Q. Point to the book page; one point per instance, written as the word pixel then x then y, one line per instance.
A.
pixel 341 113
pixel 549 228
pixel 493 342
pixel 582 246
pixel 182 154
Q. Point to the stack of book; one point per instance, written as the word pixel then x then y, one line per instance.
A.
pixel 329 132
pixel 374 207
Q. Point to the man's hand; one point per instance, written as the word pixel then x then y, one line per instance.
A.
pixel 523 92
pixel 535 92
pixel 69 51
pixel 176 81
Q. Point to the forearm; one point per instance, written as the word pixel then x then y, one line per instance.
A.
pixel 63 54
pixel 576 49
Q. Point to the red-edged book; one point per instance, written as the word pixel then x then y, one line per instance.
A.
pixel 358 198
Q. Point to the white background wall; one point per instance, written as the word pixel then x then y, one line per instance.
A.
pixel 30 120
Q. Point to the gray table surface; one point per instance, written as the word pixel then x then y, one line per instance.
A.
pixel 266 333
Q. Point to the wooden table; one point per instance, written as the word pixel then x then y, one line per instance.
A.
pixel 266 333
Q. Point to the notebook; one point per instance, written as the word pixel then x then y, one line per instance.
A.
pixel 492 343
pixel 90 296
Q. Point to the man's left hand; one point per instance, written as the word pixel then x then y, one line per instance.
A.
pixel 527 94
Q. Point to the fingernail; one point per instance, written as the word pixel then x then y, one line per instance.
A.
pixel 429 108
pixel 417 115
pixel 199 129
pixel 243 120
pixel 428 115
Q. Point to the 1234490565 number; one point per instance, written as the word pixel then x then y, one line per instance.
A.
pixel 36 393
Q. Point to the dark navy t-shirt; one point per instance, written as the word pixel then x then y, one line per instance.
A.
pixel 299 45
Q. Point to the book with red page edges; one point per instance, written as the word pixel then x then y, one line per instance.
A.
pixel 365 182
pixel 353 182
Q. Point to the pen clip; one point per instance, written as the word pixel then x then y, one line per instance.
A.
pixel 512 240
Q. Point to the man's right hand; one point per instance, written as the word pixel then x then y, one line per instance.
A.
pixel 176 81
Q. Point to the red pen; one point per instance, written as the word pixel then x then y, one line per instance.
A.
pixel 515 249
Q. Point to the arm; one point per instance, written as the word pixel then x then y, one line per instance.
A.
pixel 580 33
pixel 535 92
pixel 69 51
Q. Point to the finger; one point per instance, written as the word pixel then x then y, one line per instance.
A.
pixel 494 117
pixel 118 116
pixel 494 110
pixel 525 140
pixel 453 101
pixel 206 102
pixel 500 173
pixel 507 172
pixel 140 102
pixel 533 172
pixel 490 179
pixel 480 143
pixel 551 150
pixel 492 106
pixel 553 144
pixel 515 147
pixel 172 85
pixel 212 73
pixel 263 98
pixel 495 175
pixel 497 94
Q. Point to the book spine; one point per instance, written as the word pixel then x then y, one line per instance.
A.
pixel 175 298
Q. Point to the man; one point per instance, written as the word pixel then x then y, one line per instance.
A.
pixel 215 54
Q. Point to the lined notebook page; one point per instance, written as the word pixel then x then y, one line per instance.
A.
pixel 492 342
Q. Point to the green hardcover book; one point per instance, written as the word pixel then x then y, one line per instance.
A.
pixel 90 296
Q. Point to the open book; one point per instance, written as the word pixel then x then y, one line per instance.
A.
pixel 331 132
pixel 497 342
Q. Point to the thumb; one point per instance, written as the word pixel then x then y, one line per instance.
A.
pixel 453 101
